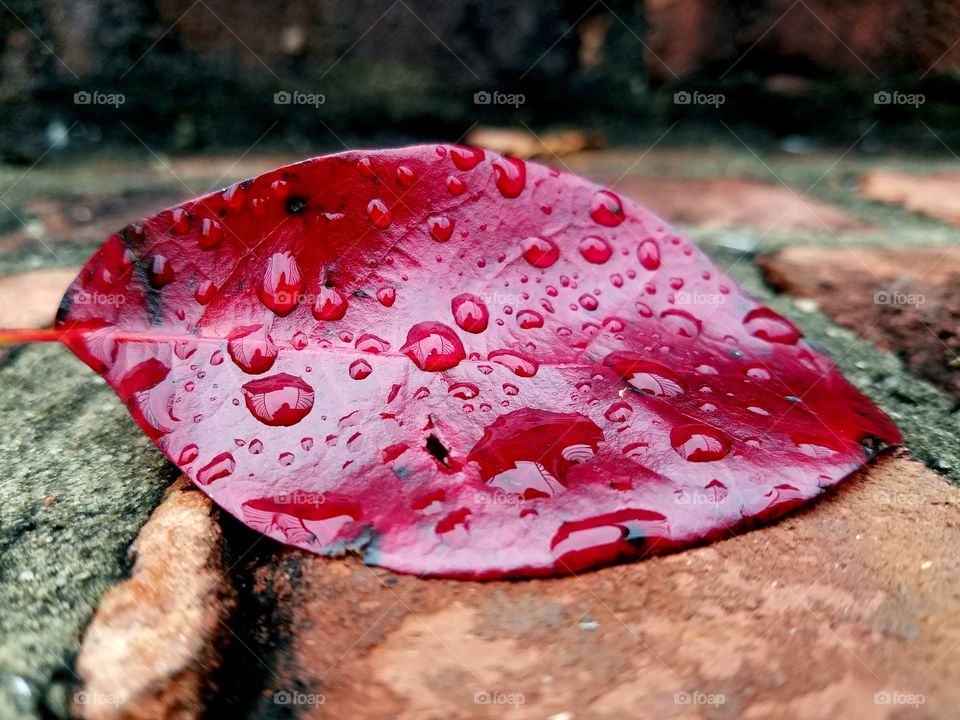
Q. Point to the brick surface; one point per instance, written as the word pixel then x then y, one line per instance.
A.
pixel 937 196
pixel 904 300
pixel 812 618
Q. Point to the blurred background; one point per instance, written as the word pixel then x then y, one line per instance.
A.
pixel 189 75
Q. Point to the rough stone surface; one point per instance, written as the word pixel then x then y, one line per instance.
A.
pixel 811 618
pixel 903 300
pixel 79 480
pixel 151 647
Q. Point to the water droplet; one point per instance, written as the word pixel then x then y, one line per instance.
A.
pixel 387 296
pixel 681 322
pixel 188 454
pixel 464 390
pixel 441 227
pixel 517 363
pixel 285 459
pixel 255 447
pixel 211 233
pixel 647 376
pixel 606 209
pixel 511 174
pixel 767 325
pixel 595 249
pixel 510 389
pixel 588 302
pixel 433 346
pixel 252 349
pixel 281 285
pixel 618 412
pixel 206 291
pixel 181 221
pixel 466 158
pixel 221 466
pixel 371 344
pixel 699 443
pixel 379 214
pixel 161 272
pixel 470 313
pixel 539 252
pixel 233 196
pixel 330 304
pixel 278 400
pixel 405 176
pixel 529 319
pixel 360 369
pixel 455 185
pixel 648 252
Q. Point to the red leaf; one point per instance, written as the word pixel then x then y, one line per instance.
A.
pixel 460 364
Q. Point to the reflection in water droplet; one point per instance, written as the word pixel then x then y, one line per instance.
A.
pixel 379 214
pixel 511 176
pixel 330 304
pixel 466 158
pixel 433 346
pixel 648 252
pixel 517 363
pixel 539 252
pixel 647 376
pixel 595 249
pixel 470 313
pixel 281 285
pixel 530 452
pixel 681 322
pixel 252 349
pixel 464 390
pixel 441 227
pixel 699 443
pixel 360 369
pixel 387 296
pixel 767 325
pixel 529 319
pixel 221 466
pixel 278 400
pixel 606 209
pixel 618 412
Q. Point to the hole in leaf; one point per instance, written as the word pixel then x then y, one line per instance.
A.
pixel 437 449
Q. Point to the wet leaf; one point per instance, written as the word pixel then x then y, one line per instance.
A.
pixel 460 364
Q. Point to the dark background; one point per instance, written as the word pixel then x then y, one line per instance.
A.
pixel 201 74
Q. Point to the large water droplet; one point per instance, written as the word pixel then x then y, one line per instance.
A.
pixel 539 252
pixel 606 209
pixel 281 285
pixel 252 349
pixel 441 227
pixel 648 252
pixel 699 443
pixel 379 213
pixel 511 174
pixel 517 363
pixel 278 400
pixel 470 313
pixel 466 158
pixel 433 346
pixel 767 325
pixel 595 249
pixel 330 304
pixel 221 466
